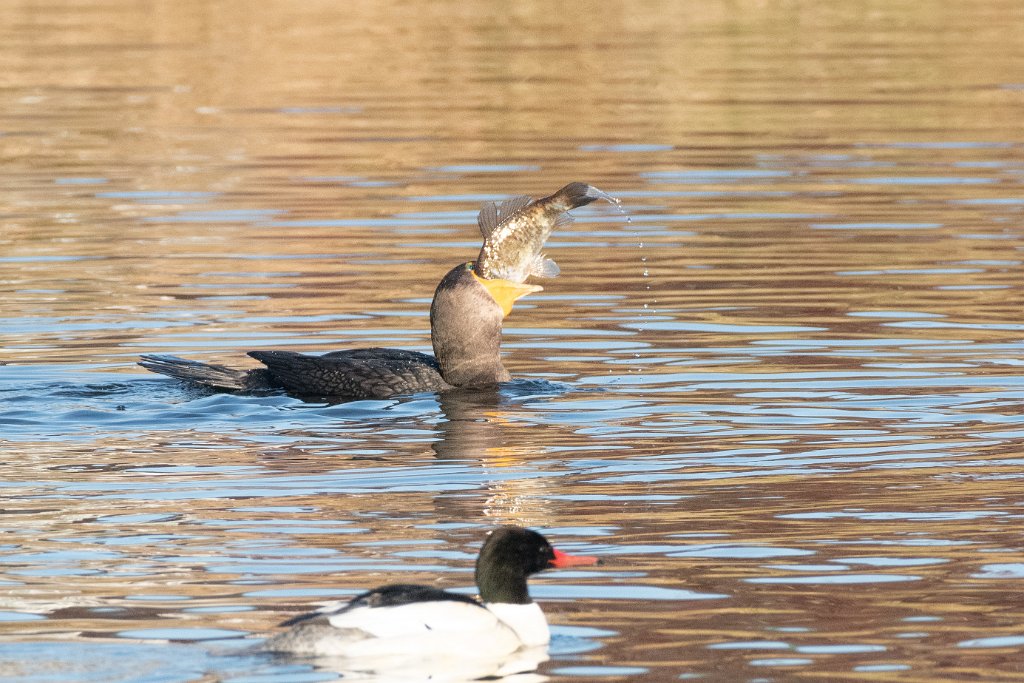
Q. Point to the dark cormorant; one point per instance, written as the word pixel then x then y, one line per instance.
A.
pixel 465 323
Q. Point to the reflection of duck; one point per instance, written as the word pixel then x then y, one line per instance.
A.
pixel 408 622
pixel 465 324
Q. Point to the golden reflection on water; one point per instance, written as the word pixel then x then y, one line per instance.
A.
pixel 807 337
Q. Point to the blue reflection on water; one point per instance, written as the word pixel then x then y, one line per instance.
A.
pixel 72 661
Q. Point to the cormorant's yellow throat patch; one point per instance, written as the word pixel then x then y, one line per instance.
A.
pixel 505 292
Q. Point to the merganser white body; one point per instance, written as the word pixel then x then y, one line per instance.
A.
pixel 407 624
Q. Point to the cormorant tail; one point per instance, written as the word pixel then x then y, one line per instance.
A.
pixel 210 375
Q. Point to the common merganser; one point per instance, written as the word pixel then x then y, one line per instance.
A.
pixel 466 314
pixel 401 624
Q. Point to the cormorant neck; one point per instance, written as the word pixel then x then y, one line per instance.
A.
pixel 465 330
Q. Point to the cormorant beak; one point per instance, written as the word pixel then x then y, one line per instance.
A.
pixel 505 292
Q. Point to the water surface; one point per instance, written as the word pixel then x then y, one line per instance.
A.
pixel 782 402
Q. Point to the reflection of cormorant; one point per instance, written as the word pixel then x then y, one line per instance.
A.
pixel 488 431
pixel 465 325
pixel 472 424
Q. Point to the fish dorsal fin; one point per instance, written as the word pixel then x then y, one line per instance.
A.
pixel 544 267
pixel 487 219
pixel 492 214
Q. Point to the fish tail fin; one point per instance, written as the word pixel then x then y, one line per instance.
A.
pixel 575 195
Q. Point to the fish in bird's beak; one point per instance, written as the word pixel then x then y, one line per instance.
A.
pixel 516 229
